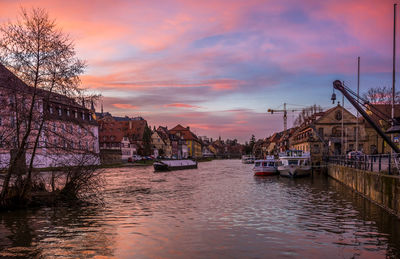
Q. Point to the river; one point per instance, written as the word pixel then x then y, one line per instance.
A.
pixel 219 210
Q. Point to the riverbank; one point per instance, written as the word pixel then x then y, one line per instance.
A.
pixel 381 189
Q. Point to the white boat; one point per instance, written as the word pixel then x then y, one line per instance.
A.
pixel 248 159
pixel 266 166
pixel 168 165
pixel 294 163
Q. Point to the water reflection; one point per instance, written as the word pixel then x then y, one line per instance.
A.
pixel 220 210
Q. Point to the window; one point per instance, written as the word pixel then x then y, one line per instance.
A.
pixel 71 129
pixel 59 111
pixel 76 114
pixel 293 162
pixel 51 109
pixel 67 112
pixel 54 127
pixel 321 132
pixel 316 149
pixel 83 116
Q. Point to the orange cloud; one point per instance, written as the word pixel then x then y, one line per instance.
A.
pixel 181 105
pixel 124 106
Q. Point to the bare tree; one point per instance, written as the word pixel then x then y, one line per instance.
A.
pixel 43 57
pixel 306 113
pixel 381 95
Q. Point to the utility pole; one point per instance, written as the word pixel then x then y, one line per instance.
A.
pixel 342 145
pixel 284 117
pixel 358 94
pixel 394 64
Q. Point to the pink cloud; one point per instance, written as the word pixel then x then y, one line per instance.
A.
pixel 182 105
pixel 124 106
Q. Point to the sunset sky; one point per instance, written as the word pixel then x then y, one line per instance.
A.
pixel 217 66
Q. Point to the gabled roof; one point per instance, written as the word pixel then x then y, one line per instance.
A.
pixel 185 133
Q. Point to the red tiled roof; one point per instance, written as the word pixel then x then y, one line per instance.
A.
pixel 185 133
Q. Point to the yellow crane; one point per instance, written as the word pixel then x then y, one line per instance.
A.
pixel 284 111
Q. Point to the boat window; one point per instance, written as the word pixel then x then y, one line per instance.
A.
pixel 265 164
pixel 271 164
pixel 293 162
pixel 257 164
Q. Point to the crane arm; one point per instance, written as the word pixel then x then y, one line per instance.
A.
pixel 339 86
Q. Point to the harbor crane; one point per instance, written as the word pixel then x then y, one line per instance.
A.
pixel 284 111
pixel 357 101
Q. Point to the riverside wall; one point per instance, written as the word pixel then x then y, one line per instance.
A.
pixel 384 190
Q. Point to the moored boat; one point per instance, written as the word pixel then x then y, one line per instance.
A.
pixel 266 167
pixel 248 159
pixel 294 163
pixel 169 165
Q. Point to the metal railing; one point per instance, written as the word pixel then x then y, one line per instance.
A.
pixel 382 163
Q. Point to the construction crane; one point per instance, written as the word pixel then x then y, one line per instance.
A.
pixel 284 111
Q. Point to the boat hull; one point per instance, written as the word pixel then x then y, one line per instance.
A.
pixel 294 171
pixel 268 173
pixel 166 166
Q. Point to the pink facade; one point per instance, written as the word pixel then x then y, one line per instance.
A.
pixel 68 134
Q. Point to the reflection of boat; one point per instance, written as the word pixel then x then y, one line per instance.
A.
pixel 248 159
pixel 265 167
pixel 294 163
pixel 168 165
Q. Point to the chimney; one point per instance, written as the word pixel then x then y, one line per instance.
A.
pixel 188 128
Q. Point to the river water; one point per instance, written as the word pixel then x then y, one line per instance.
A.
pixel 219 210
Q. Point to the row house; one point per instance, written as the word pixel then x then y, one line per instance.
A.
pixel 161 146
pixel 171 145
pixel 120 134
pixel 62 133
pixel 192 142
pixel 224 149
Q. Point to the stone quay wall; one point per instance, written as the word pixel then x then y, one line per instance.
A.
pixel 384 190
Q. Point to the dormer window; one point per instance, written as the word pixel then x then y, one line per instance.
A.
pixel 68 112
pixel 51 109
pixel 83 116
pixel 76 114
pixel 59 111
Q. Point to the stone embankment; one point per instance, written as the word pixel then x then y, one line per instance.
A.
pixel 384 190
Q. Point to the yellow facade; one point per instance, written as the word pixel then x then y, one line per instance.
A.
pixel 194 148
